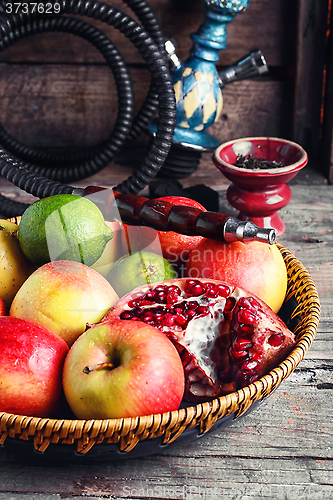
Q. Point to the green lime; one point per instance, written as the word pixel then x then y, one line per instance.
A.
pixel 63 227
pixel 138 269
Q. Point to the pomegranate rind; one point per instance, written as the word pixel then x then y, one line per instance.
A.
pixel 228 342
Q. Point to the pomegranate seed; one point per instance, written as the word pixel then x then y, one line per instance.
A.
pixel 249 366
pixel 247 330
pixel 223 291
pixel 126 315
pixel 170 319
pixel 191 313
pixel 135 302
pixel 136 311
pixel 194 287
pixel 276 339
pixel 174 288
pixel 147 316
pixel 249 303
pixel 230 304
pixel 160 296
pixel 204 310
pixel 238 330
pixel 133 318
pixel 172 297
pixel 211 290
pixel 238 354
pixel 242 343
pixel 161 287
pixel 245 316
pixel 181 320
pixel 256 355
pixel 150 295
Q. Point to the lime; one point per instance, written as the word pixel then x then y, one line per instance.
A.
pixel 63 227
pixel 138 269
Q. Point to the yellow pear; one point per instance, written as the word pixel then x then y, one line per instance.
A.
pixel 14 266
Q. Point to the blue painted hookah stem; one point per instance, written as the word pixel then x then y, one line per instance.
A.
pixel 196 82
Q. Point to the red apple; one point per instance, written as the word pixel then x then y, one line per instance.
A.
pixel 3 309
pixel 31 362
pixel 122 369
pixel 64 296
pixel 175 246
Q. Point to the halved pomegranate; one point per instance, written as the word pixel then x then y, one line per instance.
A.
pixel 226 337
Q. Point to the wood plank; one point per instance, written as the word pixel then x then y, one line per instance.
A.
pixel 311 41
pixel 282 443
pixel 281 450
pixel 327 126
pixel 76 105
pixel 55 106
pixel 270 23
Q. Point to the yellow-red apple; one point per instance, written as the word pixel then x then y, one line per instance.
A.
pixel 122 369
pixel 64 296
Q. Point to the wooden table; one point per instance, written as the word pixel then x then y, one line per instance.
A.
pixel 283 450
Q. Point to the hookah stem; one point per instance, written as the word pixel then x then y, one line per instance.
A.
pixel 165 216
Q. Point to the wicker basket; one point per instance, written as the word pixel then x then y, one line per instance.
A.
pixel 128 437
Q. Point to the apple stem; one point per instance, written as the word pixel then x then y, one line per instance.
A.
pixel 99 366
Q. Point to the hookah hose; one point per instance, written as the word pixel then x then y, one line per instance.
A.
pixel 133 208
pixel 64 160
pixel 42 173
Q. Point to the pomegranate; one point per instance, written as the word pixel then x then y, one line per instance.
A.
pixel 226 337
pixel 254 265
pixel 175 246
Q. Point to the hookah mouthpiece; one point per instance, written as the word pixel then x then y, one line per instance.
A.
pixel 165 216
pixel 236 230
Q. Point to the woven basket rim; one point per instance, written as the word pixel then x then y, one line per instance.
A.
pixel 130 430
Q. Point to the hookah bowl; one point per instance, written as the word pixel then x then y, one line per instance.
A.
pixel 198 86
pixel 259 194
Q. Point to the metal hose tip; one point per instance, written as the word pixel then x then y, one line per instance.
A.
pixel 245 231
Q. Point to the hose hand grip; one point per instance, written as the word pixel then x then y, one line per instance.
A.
pixel 165 216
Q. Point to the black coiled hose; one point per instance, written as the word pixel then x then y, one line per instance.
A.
pixel 39 180
pixel 66 166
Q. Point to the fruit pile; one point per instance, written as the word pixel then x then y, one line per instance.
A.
pixel 99 319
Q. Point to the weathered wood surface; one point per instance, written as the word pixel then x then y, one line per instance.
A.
pixel 56 90
pixel 282 450
pixel 270 24
pixel 311 59
pixel 327 155
pixel 77 105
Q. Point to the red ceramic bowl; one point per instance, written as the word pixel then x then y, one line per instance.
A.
pixel 259 194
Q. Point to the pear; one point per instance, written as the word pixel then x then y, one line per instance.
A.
pixel 14 266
